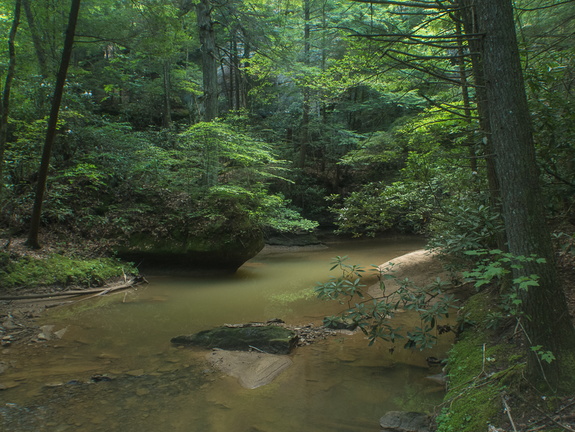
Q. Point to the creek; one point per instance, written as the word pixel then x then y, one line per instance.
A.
pixel 115 370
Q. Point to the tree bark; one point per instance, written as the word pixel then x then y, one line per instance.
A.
pixel 167 113
pixel 467 14
pixel 546 318
pixel 5 104
pixel 36 39
pixel 52 125
pixel 209 59
pixel 304 138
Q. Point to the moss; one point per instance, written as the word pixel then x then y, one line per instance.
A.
pixel 471 411
pixel 479 372
pixel 57 269
pixel 271 339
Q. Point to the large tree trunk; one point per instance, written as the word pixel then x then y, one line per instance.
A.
pixel 475 43
pixel 52 125
pixel 546 317
pixel 5 104
pixel 209 59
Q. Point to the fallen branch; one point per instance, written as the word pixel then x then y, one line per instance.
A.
pixel 76 293
pixel 508 411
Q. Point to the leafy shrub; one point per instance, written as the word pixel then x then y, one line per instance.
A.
pixel 373 314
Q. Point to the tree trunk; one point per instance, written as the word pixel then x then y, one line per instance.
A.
pixel 463 73
pixel 304 138
pixel 209 59
pixel 36 39
pixel 52 125
pixel 546 317
pixel 5 104
pixel 475 44
pixel 167 114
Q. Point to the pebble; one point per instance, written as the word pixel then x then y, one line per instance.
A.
pixel 142 392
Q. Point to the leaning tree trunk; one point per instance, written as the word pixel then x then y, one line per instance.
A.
pixel 52 125
pixel 546 318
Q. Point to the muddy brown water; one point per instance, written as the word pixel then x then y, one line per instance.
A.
pixel 114 368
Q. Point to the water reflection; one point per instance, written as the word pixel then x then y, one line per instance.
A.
pixel 337 385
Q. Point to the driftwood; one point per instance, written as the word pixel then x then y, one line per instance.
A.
pixel 75 293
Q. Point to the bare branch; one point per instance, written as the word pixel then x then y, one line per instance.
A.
pixel 416 4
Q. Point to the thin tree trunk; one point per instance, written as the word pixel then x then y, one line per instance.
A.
pixel 52 125
pixel 167 115
pixel 546 317
pixel 5 105
pixel 304 139
pixel 36 39
pixel 209 59
pixel 465 90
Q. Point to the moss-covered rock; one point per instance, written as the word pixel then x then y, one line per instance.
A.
pixel 222 252
pixel 269 339
pixel 218 241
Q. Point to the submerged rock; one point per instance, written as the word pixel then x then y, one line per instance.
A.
pixel 252 369
pixel 401 421
pixel 267 339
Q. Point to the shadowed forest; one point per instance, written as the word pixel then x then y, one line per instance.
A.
pixel 191 133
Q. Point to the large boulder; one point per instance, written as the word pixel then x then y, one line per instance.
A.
pixel 215 234
pixel 222 253
pixel 401 421
pixel 267 339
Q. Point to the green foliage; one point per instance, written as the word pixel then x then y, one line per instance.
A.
pixel 496 266
pixel 59 270
pixel 465 226
pixel 373 314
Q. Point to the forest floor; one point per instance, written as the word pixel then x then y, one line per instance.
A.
pixel 18 325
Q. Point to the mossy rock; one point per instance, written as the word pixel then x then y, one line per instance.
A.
pixel 293 239
pixel 214 253
pixel 269 339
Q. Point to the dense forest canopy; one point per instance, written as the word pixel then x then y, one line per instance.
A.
pixel 191 120
pixel 354 113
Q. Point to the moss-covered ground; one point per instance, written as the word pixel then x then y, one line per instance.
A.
pixel 59 270
pixel 487 388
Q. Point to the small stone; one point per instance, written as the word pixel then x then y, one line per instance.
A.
pixel 135 372
pixel 60 333
pixel 106 356
pixel 8 385
pixel 400 421
pixel 9 324
pixel 142 391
